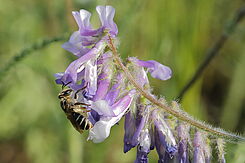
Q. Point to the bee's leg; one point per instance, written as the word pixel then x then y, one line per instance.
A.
pixel 85 108
pixel 80 103
pixel 75 96
pixel 86 111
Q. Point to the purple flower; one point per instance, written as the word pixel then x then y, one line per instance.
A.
pixel 84 68
pixel 88 44
pixel 156 69
pixel 183 133
pixel 164 139
pixel 198 144
pixel 143 148
pixel 83 21
pixel 109 116
pixel 117 88
pixel 134 125
pixel 141 120
pixel 140 75
pixel 106 14
pixel 82 40
pixel 202 151
pixel 104 77
pixel 75 45
pixel 129 127
pixel 159 147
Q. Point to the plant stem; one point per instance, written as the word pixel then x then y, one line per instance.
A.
pixel 27 51
pixel 180 114
pixel 214 51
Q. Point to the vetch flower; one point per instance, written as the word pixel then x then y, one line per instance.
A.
pixel 89 45
pixel 143 148
pixel 142 137
pixel 199 156
pixel 75 45
pixel 159 147
pixel 139 73
pixel 156 69
pixel 141 120
pixel 164 135
pixel 135 122
pixel 130 128
pixel 109 116
pixel 84 68
pixel 183 134
pixel 83 39
pixel 106 14
pixel 105 71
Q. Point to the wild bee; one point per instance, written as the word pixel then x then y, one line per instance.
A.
pixel 75 111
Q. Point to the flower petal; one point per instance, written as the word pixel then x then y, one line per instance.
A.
pixel 83 21
pixel 101 129
pixel 78 65
pixel 160 71
pixel 165 134
pixel 159 147
pixel 58 77
pixel 103 86
pixel 113 93
pixel 183 133
pixel 156 69
pixel 104 79
pixel 198 143
pixel 102 108
pixel 74 45
pixel 140 126
pixel 106 14
pixel 139 72
pixel 129 127
pixel 90 77
pixel 124 103
pixel 144 147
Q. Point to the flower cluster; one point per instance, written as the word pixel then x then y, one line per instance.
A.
pixel 110 96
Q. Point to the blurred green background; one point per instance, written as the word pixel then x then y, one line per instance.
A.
pixel 176 33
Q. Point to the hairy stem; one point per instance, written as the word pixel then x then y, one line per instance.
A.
pixel 180 114
pixel 27 51
pixel 214 51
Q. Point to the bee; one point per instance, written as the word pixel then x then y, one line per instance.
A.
pixel 75 111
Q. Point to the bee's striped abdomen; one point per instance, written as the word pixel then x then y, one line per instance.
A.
pixel 82 122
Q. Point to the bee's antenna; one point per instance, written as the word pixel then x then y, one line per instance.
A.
pixel 64 85
pixel 80 90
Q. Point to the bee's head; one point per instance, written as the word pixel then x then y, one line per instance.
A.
pixel 65 93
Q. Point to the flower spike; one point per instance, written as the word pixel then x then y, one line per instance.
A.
pixel 101 89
